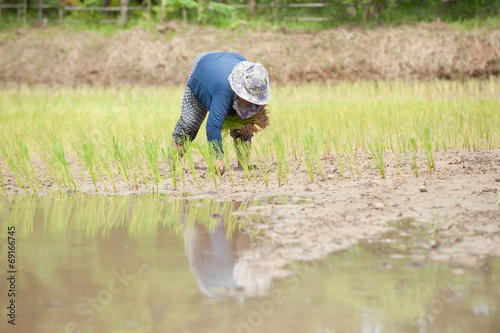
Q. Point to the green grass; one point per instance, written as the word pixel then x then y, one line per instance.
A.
pixel 63 134
pixel 462 16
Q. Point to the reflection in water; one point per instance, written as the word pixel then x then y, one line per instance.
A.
pixel 221 265
pixel 212 260
pixel 140 215
pixel 138 263
pixel 220 256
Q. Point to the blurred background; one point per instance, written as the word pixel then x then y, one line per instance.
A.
pixel 227 13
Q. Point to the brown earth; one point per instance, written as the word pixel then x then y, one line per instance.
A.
pixel 459 204
pixel 164 55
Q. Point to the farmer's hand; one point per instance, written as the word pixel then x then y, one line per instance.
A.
pixel 176 149
pixel 246 129
pixel 180 149
pixel 219 164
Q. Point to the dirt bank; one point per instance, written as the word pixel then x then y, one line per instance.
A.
pixel 458 204
pixel 68 57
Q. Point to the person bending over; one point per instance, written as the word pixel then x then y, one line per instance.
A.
pixel 221 84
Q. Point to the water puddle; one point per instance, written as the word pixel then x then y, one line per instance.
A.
pixel 150 264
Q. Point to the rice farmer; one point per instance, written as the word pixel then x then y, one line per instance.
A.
pixel 222 84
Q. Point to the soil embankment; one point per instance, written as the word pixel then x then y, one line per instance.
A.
pixel 424 51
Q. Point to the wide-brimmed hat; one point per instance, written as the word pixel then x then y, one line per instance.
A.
pixel 250 81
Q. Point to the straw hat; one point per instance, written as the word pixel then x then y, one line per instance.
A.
pixel 250 81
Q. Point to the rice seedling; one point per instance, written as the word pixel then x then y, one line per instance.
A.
pixel 105 164
pixel 18 158
pixel 169 158
pixel 309 149
pixel 12 162
pixel 428 149
pixel 134 170
pixel 351 157
pixel 243 150
pixel 51 169
pixel 281 160
pixel 172 156
pixel 338 151
pixel 101 174
pixel 118 151
pixel 58 160
pixel 257 122
pixel 138 162
pixel 208 154
pixel 253 168
pixel 2 182
pixel 86 152
pixel 413 142
pixel 376 150
pixel 27 167
pixel 263 166
pixel 151 150
pixel 189 156
pixel 318 153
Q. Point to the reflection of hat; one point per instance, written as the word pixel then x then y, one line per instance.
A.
pixel 250 81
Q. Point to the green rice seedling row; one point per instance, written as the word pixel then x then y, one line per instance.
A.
pixel 55 137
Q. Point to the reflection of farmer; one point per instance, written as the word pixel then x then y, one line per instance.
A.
pixel 222 84
pixel 212 259
pixel 218 265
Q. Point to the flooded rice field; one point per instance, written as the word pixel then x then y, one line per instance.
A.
pixel 149 263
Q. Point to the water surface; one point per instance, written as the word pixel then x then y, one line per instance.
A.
pixel 151 264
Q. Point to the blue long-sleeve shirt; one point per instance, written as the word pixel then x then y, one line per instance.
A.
pixel 209 84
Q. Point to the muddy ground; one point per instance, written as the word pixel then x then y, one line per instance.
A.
pixel 164 54
pixel 458 205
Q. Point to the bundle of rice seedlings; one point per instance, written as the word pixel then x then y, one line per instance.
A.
pixel 255 123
